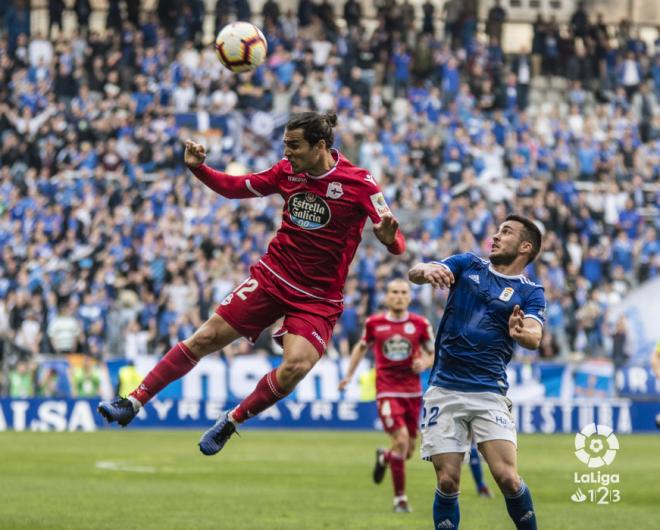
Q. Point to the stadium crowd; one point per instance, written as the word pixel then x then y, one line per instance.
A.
pixel 110 247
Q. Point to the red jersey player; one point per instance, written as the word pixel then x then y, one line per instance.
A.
pixel 403 347
pixel 327 201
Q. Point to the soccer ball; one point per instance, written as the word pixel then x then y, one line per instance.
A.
pixel 241 46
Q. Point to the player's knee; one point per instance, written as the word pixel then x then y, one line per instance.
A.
pixel 204 341
pixel 448 483
pixel 292 371
pixel 411 449
pixel 402 442
pixel 508 482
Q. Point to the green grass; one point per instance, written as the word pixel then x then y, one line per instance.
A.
pixel 286 480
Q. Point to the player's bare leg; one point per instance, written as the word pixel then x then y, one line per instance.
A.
pixel 299 358
pixel 448 473
pixel 502 460
pixel 212 336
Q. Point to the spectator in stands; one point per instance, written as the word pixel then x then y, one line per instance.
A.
pixel 495 21
pixel 64 330
pixel 87 379
pixel 95 201
pixel 21 380
pixel 48 384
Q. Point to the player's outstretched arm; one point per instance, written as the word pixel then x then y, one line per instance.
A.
pixel 356 356
pixel 226 185
pixel 388 233
pixel 525 331
pixel 433 273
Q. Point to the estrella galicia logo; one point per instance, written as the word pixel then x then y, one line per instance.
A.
pixel 397 348
pixel 596 445
pixel 308 210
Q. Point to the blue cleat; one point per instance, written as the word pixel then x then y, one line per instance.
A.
pixel 213 440
pixel 120 410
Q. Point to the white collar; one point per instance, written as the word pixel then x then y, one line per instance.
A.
pixel 335 155
pixel 514 277
pixel 389 317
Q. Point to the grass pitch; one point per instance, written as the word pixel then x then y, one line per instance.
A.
pixel 287 480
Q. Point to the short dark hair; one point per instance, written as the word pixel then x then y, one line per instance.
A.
pixel 531 232
pixel 315 126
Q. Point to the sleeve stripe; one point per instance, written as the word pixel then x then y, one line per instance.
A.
pixel 248 185
pixel 535 318
pixel 443 264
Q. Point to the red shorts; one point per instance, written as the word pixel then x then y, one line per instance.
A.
pixel 397 412
pixel 263 298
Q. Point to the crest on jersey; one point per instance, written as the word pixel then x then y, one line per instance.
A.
pixel 409 328
pixel 506 294
pixel 378 200
pixel 334 190
pixel 397 348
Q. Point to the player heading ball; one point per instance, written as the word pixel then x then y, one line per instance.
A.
pixel 327 201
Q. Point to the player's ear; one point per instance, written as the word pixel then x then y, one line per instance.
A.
pixel 526 247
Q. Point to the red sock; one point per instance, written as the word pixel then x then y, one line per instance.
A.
pixel 398 467
pixel 176 363
pixel 267 392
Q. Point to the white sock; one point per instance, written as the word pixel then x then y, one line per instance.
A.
pixel 136 404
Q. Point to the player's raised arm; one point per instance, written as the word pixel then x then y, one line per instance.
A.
pixel 526 331
pixel 232 187
pixel 436 274
pixel 356 356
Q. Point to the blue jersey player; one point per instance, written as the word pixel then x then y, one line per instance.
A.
pixel 491 306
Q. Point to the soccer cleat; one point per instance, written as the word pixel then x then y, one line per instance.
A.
pixel 484 491
pixel 380 466
pixel 120 410
pixel 213 440
pixel 401 505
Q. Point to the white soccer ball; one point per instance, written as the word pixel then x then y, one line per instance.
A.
pixel 241 46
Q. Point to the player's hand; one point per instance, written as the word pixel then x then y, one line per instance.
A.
pixel 438 276
pixel 516 323
pixel 344 383
pixel 386 230
pixel 195 153
pixel 418 365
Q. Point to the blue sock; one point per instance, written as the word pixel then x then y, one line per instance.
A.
pixel 475 467
pixel 445 510
pixel 520 508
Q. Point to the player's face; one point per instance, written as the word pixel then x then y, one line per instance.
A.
pixel 398 296
pixel 506 243
pixel 301 155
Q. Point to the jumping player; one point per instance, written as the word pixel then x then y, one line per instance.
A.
pixel 327 201
pixel 403 347
pixel 491 306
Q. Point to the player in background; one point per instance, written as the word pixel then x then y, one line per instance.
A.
pixel 403 348
pixel 327 201
pixel 491 307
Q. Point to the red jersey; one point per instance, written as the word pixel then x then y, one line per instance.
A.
pixel 396 343
pixel 322 221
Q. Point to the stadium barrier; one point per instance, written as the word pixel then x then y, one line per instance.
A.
pixel 548 397
pixel 545 416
